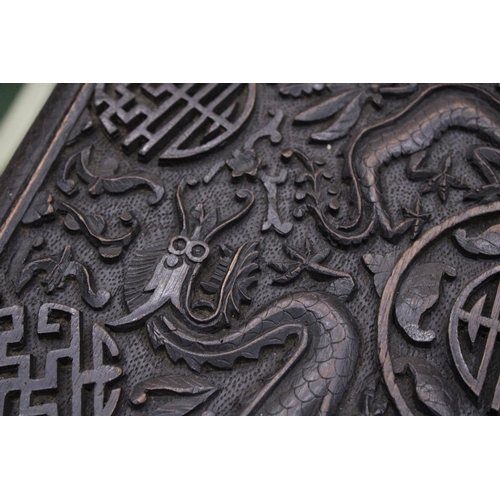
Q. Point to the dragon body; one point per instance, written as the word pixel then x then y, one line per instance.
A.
pixel 313 379
pixel 438 109
pixel 311 382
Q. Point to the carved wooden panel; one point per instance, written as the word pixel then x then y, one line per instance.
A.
pixel 254 249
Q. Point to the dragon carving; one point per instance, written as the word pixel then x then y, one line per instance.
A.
pixel 312 380
pixel 410 132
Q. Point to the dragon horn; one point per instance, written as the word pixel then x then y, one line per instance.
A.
pixel 178 200
pixel 241 196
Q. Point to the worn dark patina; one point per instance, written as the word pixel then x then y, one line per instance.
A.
pixel 254 249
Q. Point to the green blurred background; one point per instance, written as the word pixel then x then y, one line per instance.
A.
pixel 20 104
pixel 7 93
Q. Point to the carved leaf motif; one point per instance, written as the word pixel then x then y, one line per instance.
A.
pixel 291 274
pixel 96 223
pixel 381 266
pixel 441 182
pixel 429 385
pixel 57 269
pixel 418 293
pixel 343 288
pixel 293 254
pixel 345 121
pixel 487 243
pixel 327 108
pixel 307 246
pixel 276 266
pixel 320 256
pixel 321 271
pixel 310 263
pixel 132 180
pixel 93 227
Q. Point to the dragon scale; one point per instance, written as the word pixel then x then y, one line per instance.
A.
pixel 312 381
pixel 413 130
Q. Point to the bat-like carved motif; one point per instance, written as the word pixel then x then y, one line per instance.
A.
pixel 57 270
pixel 93 227
pixel 108 180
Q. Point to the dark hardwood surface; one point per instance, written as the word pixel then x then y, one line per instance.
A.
pixel 253 249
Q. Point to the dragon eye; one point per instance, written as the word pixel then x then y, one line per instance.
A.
pixel 197 251
pixel 178 245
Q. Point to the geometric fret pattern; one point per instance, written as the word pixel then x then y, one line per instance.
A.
pixel 178 120
pixel 22 382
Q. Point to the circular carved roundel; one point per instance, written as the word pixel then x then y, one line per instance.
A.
pixel 177 120
pixel 467 319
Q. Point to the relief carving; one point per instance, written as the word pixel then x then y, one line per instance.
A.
pixel 106 179
pixel 175 120
pixel 312 381
pixel 410 132
pixel 93 228
pixel 20 380
pixel 480 319
pixel 57 269
pixel 380 296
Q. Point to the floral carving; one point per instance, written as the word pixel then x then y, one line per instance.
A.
pixel 244 162
pixel 316 197
pixel 306 261
pixel 442 181
pixel 418 217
